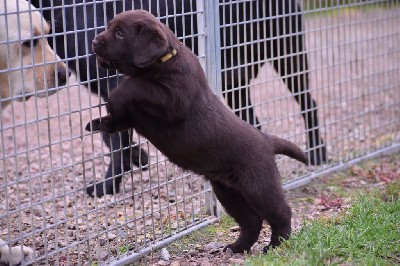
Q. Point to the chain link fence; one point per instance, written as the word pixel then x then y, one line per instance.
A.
pixel 323 74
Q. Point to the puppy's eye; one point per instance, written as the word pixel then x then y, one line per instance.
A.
pixel 119 34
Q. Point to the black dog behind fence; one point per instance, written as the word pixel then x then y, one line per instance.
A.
pixel 275 26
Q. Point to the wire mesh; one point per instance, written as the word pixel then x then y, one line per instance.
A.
pixel 323 74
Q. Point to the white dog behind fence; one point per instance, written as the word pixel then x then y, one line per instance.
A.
pixel 28 65
pixel 19 255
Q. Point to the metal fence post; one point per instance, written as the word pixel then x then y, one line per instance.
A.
pixel 211 62
pixel 213 46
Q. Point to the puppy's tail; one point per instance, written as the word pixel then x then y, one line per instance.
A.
pixel 285 147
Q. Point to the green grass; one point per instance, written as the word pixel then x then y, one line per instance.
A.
pixel 393 191
pixel 368 234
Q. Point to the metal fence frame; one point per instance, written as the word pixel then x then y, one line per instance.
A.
pixel 209 52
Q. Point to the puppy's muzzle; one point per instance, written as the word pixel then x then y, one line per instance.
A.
pixel 97 44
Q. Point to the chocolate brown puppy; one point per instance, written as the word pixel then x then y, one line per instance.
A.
pixel 165 97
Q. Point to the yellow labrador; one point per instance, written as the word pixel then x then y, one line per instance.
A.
pixel 28 65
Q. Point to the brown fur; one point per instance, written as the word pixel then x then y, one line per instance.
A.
pixel 171 105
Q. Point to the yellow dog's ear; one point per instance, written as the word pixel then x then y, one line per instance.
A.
pixel 151 43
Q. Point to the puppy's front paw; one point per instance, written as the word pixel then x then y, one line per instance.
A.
pixel 104 124
pixel 94 125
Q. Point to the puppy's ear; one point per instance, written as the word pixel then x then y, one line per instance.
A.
pixel 151 44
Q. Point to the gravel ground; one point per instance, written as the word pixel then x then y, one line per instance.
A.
pixel 47 159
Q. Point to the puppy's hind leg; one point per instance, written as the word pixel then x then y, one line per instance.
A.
pixel 265 195
pixel 236 206
pixel 280 222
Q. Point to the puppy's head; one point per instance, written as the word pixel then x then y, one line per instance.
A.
pixel 134 39
pixel 28 65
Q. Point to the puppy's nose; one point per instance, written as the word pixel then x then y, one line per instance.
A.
pixel 63 75
pixel 95 42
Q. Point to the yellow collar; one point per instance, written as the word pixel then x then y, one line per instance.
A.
pixel 168 56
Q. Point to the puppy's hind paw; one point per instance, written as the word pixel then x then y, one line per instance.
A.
pixel 235 248
pixel 94 125
pixel 228 251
